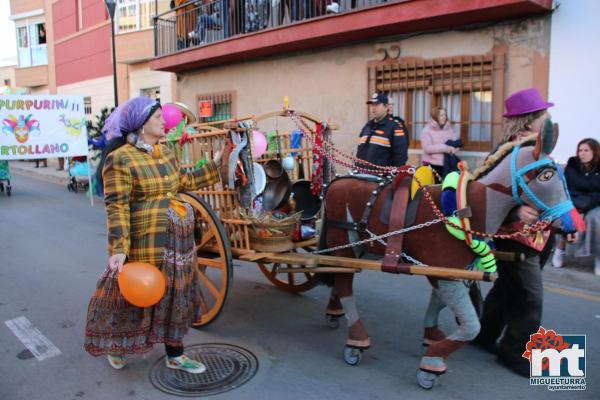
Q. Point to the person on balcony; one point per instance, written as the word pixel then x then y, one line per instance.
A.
pixel 257 15
pixel 185 18
pixel 209 17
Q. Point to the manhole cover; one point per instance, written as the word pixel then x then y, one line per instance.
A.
pixel 227 367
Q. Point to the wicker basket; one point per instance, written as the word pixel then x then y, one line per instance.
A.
pixel 273 235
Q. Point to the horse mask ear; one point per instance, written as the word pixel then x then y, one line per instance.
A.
pixel 546 140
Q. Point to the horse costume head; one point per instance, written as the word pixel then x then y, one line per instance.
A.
pixel 524 171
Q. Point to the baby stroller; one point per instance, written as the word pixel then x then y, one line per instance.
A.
pixel 5 178
pixel 78 174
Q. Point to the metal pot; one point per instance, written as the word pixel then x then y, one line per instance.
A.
pixel 273 169
pixel 309 204
pixel 276 193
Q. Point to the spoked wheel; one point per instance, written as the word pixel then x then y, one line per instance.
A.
pixel 426 379
pixel 352 355
pixel 215 265
pixel 289 281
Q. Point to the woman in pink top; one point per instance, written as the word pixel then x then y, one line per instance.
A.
pixel 434 137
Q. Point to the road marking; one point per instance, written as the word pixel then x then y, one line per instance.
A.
pixel 572 293
pixel 39 345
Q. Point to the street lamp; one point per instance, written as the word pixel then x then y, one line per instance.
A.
pixel 111 6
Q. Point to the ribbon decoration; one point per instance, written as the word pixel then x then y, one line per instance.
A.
pixel 317 175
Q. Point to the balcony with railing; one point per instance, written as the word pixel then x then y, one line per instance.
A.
pixel 196 24
pixel 32 51
pixel 202 33
pixel 32 56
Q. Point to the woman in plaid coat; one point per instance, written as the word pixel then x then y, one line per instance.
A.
pixel 147 222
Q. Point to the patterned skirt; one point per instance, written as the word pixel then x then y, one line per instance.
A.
pixel 116 327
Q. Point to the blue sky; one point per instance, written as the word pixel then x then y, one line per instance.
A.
pixel 7 32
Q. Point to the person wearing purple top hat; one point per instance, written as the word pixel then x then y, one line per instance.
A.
pixel 514 304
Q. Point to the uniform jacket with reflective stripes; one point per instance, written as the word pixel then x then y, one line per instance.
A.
pixel 137 191
pixel 384 143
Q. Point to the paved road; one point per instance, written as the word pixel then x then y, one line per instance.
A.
pixel 52 245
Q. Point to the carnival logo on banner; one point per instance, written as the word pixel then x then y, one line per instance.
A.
pixel 42 126
pixel 556 361
pixel 20 126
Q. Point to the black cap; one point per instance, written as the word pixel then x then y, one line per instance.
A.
pixel 378 98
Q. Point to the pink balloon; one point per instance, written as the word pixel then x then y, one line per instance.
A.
pixel 172 116
pixel 260 144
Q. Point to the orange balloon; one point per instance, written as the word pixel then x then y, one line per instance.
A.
pixel 141 284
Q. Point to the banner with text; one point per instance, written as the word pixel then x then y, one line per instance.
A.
pixel 42 126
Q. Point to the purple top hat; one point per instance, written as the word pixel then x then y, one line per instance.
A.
pixel 524 102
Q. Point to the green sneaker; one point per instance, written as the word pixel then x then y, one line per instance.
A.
pixel 186 364
pixel 117 362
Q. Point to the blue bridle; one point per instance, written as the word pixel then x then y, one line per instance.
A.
pixel 548 213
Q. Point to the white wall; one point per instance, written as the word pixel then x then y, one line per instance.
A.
pixel 575 73
pixel 99 89
pixel 142 77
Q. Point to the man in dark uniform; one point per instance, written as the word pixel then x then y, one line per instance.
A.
pixel 384 140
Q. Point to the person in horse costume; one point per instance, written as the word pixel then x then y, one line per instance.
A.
pixel 358 207
pixel 514 304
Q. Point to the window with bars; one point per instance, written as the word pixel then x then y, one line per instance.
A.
pixel 216 106
pixel 469 88
pixel 87 107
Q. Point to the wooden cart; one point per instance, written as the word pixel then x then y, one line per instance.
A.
pixel 222 228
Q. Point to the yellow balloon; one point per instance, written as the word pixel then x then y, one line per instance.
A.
pixel 425 175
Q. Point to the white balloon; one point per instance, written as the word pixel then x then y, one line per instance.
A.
pixel 288 163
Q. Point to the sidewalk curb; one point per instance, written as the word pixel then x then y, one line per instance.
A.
pixel 573 276
pixel 48 177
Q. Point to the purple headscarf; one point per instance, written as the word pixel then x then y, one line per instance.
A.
pixel 129 117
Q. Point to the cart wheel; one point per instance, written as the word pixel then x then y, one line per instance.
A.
pixel 352 355
pixel 1 187
pixel 215 265
pixel 333 321
pixel 426 380
pixel 9 190
pixel 288 281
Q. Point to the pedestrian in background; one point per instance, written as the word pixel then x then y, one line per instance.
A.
pixel 583 180
pixel 439 142
pixel 147 222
